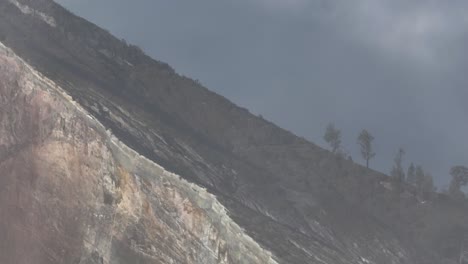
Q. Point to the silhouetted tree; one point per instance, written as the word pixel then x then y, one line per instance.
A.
pixel 365 142
pixel 411 175
pixel 333 138
pixel 422 181
pixel 459 179
pixel 397 173
pixel 427 186
pixel 419 179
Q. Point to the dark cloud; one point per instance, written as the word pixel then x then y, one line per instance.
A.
pixel 395 67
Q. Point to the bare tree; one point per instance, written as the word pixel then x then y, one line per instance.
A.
pixel 427 186
pixel 459 179
pixel 333 138
pixel 365 142
pixel 397 172
pixel 419 179
pixel 411 175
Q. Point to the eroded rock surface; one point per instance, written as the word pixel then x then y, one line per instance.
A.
pixel 70 192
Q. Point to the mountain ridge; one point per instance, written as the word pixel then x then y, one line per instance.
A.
pixel 274 184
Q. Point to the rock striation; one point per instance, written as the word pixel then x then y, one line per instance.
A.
pixel 108 156
pixel 71 192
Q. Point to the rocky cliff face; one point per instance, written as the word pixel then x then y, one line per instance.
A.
pixel 72 193
pixel 107 156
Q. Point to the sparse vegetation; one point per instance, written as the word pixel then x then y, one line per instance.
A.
pixel 459 179
pixel 365 140
pixel 333 138
pixel 427 187
pixel 411 175
pixel 397 173
pixel 419 178
pixel 421 182
pixel 297 201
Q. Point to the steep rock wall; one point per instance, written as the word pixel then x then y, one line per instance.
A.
pixel 294 198
pixel 70 192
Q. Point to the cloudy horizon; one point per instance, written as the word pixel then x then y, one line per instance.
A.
pixel 391 66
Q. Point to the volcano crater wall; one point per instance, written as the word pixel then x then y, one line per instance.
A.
pixel 70 192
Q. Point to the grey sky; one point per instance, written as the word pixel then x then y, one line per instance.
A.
pixel 395 67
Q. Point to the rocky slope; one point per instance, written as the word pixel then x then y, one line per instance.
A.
pixel 72 193
pixel 90 128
